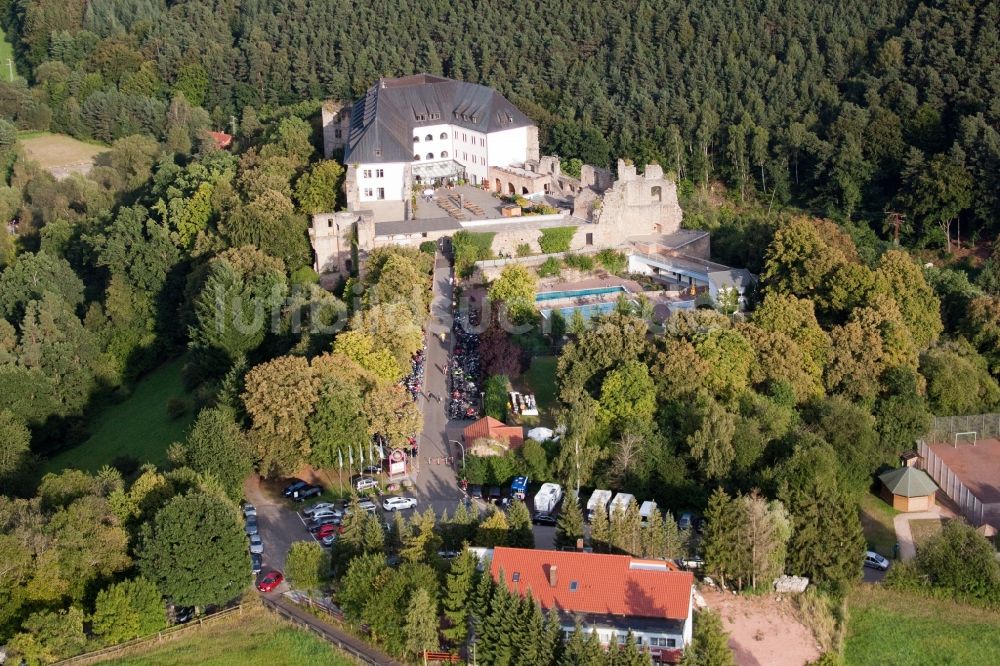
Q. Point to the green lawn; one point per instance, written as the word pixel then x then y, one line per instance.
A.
pixel 256 638
pixel 924 529
pixel 541 378
pixel 893 628
pixel 138 427
pixel 6 52
pixel 876 521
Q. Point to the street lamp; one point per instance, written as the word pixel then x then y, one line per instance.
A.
pixel 463 451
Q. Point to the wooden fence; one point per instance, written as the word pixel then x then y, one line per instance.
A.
pixel 160 636
pixel 972 508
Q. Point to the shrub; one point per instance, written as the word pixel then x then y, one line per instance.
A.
pixel 556 239
pixel 614 261
pixel 579 262
pixel 429 247
pixel 304 275
pixel 524 250
pixel 551 267
pixel 176 408
pixel 470 247
pixel 495 396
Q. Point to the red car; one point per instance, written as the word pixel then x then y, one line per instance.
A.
pixel 327 530
pixel 271 580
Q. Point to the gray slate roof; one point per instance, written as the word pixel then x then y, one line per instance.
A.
pixel 740 278
pixel 382 122
pixel 908 482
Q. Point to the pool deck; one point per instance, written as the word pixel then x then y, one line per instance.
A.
pixel 590 283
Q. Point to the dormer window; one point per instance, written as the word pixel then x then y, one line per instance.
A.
pixel 573 585
pixel 516 577
pixel 475 119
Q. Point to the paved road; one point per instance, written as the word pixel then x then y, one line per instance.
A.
pixel 278 523
pixel 904 536
pixel 437 485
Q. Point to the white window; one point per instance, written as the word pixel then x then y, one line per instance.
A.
pixel 444 135
pixel 416 158
pixel 368 192
pixel 429 137
pixel 482 142
pixel 444 153
pixel 465 137
pixel 381 193
pixel 416 139
pixel 367 173
pixel 456 135
pixel 465 156
pixel 430 156
pixel 380 173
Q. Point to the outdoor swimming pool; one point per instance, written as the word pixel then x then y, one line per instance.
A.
pixel 587 311
pixel 596 291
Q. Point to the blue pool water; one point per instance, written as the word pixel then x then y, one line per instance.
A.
pixel 587 311
pixel 553 295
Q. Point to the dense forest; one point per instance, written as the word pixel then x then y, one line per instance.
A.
pixel 852 108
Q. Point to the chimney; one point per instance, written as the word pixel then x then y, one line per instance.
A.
pixel 579 544
pixel 552 575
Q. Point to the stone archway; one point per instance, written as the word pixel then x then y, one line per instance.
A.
pixel 511 189
pixel 499 186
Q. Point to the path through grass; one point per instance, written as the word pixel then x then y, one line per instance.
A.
pixel 541 377
pixel 138 427
pixel 894 628
pixel 876 521
pixel 257 638
pixel 6 54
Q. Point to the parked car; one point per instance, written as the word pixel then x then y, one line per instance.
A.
pixel 303 494
pixel 686 521
pixel 876 561
pixel 249 509
pixel 251 526
pixel 319 524
pixel 363 483
pixel 693 563
pixel 328 540
pixel 542 518
pixel 373 469
pixel 448 554
pixel 319 506
pixel 326 530
pixel 271 580
pixel 183 614
pixel 256 544
pixel 256 563
pixel 495 493
pixel 398 503
pixel 476 492
pixel 295 485
pixel 325 513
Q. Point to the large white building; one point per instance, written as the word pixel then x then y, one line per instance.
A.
pixel 424 130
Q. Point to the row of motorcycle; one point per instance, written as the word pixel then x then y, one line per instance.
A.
pixel 464 369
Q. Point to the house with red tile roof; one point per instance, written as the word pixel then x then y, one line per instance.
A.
pixel 608 594
pixel 491 429
pixel 222 140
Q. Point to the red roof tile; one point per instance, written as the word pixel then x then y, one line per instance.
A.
pixel 608 584
pixel 222 140
pixel 494 429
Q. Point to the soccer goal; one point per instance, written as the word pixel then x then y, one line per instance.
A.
pixel 968 436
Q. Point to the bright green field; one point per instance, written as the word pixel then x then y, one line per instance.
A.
pixel 541 377
pixel 138 427
pixel 255 639
pixel 892 628
pixel 6 52
pixel 876 521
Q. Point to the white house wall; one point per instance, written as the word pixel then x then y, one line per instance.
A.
pixel 507 147
pixel 392 180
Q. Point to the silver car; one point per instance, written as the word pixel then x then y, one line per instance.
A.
pixel 319 506
pixel 251 526
pixel 256 544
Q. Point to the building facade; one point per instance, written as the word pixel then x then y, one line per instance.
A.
pixel 423 130
pixel 610 595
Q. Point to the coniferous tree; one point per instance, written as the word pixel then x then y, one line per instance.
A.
pixel 722 543
pixel 551 639
pixel 631 655
pixel 600 531
pixel 481 601
pixel 520 534
pixel 654 537
pixel 421 623
pixel 459 586
pixel 569 527
pixel 710 644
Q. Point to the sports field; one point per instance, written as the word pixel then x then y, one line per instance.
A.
pixel 59 154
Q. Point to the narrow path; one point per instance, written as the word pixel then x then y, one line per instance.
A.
pixel 904 536
pixel 437 485
pixel 329 632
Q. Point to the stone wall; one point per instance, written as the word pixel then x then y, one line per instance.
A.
pixel 335 116
pixel 331 235
pixel 638 205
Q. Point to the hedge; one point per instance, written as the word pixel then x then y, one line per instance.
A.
pixel 556 239
pixel 470 247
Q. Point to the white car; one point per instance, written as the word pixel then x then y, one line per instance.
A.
pixel 256 545
pixel 397 503
pixel 249 510
pixel 876 561
pixel 319 506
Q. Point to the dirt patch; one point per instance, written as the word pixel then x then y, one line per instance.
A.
pixel 61 155
pixel 764 631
